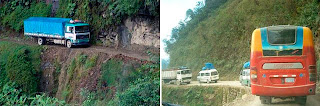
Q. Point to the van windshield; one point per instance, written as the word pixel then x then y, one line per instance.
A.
pixel 214 73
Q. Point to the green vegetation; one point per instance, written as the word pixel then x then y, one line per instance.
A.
pixel 110 72
pixel 219 32
pixel 125 85
pixel 13 13
pixel 20 64
pixel 19 75
pixel 100 14
pixel 11 95
pixel 201 96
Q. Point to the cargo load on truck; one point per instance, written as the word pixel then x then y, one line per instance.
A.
pixel 57 30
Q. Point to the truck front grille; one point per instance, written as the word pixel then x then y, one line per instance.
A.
pixel 186 78
pixel 82 36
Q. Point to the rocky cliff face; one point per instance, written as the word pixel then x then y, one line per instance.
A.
pixel 143 31
pixel 140 30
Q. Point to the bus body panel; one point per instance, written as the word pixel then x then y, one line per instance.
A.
pixel 282 82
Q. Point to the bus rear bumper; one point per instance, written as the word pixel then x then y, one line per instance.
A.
pixel 284 91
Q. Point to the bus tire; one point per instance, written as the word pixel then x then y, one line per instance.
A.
pixel 301 100
pixel 41 41
pixel 265 99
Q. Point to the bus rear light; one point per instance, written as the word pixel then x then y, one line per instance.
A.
pixel 253 73
pixel 312 73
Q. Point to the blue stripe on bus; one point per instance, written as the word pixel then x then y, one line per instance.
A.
pixel 267 46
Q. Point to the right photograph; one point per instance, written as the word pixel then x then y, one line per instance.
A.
pixel 240 52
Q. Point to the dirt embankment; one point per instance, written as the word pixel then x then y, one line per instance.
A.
pixel 60 80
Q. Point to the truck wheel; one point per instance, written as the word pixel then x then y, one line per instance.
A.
pixel 69 44
pixel 301 100
pixel 41 41
pixel 178 83
pixel 265 99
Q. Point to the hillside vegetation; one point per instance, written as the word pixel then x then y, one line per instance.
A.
pixel 102 15
pixel 220 32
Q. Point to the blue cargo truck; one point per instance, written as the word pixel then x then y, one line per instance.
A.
pixel 57 30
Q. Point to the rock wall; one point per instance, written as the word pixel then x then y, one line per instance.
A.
pixel 140 30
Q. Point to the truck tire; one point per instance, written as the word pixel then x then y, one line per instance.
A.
pixel 265 99
pixel 69 44
pixel 301 100
pixel 41 41
pixel 178 82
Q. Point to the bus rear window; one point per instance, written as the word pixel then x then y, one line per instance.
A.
pixel 281 35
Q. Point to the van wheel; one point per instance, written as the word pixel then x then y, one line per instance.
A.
pixel 41 41
pixel 265 99
pixel 69 44
pixel 215 81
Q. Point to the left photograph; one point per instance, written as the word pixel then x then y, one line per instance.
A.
pixel 80 52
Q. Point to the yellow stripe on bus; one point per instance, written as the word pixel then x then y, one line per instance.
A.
pixel 307 37
pixel 256 44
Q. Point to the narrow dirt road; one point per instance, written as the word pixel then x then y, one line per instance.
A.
pixel 219 83
pixel 111 51
pixel 252 100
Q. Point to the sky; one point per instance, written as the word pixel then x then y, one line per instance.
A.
pixel 171 12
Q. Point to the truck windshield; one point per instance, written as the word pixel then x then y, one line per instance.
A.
pixel 185 72
pixel 82 29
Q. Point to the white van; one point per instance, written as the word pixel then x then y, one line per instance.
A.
pixel 245 77
pixel 208 76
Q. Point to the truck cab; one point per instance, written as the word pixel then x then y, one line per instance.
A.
pixel 76 33
pixel 184 76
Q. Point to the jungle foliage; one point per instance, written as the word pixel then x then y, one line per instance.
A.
pixel 19 76
pixel 140 87
pixel 219 31
pixel 100 14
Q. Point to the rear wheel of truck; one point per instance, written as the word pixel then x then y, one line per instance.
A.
pixel 41 41
pixel 178 82
pixel 69 44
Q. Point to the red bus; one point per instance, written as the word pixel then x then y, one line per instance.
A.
pixel 282 63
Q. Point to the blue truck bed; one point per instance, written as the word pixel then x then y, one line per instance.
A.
pixel 45 27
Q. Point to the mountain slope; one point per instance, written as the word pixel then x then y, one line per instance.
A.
pixel 223 36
